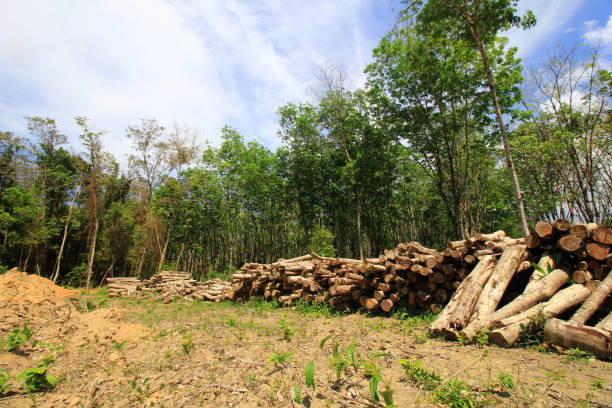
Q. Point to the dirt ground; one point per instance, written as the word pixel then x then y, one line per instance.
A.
pixel 137 353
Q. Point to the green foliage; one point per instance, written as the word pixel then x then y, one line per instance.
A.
pixel 532 333
pixel 187 342
pixel 373 385
pixel 297 393
pixel 322 242
pixel 324 340
pixel 36 379
pixel 18 338
pixel 481 338
pixel 286 329
pixel 5 384
pixel 281 358
pixel 451 393
pixel 506 380
pixel 387 395
pixel 577 354
pixel 309 374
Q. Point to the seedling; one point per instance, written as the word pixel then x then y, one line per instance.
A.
pixel 281 358
pixel 36 379
pixel 309 374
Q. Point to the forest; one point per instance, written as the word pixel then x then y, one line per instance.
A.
pixel 420 152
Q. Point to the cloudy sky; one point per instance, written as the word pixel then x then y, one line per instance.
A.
pixel 206 63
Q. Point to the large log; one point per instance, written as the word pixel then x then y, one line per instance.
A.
pixel 605 323
pixel 569 243
pixel 597 251
pixel 542 289
pixel 495 287
pixel 457 312
pixel 592 303
pixel 546 263
pixel 565 334
pixel 603 235
pixel 544 229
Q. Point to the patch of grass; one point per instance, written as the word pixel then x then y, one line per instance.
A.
pixel 187 342
pixel 286 328
pixel 281 358
pixel 576 354
pixel 451 393
pixel 17 338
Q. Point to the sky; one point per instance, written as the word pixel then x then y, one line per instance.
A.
pixel 210 63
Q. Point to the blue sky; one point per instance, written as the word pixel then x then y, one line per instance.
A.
pixel 208 63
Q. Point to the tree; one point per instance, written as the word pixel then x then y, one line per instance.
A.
pixel 482 20
pixel 430 88
pixel 567 127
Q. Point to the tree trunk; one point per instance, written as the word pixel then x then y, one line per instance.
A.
pixel 61 249
pixel 566 334
pixel 542 289
pixel 495 287
pixel 457 312
pixel 605 323
pixel 511 327
pixel 592 303
pixel 92 251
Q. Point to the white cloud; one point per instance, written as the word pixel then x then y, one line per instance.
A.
pixel 552 16
pixel 600 35
pixel 204 63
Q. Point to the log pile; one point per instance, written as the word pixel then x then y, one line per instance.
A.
pixel 573 271
pixel 169 284
pixel 409 275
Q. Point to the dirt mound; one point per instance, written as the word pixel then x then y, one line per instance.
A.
pixel 47 308
pixel 33 298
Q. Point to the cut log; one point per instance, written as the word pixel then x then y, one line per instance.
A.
pixel 592 303
pixel 579 230
pixel 542 289
pixel 597 251
pixel 581 276
pixel 605 323
pixel 495 287
pixel 532 241
pixel 546 263
pixel 562 225
pixel 386 305
pixel 565 334
pixel 457 312
pixel 371 304
pixel 544 229
pixel 569 243
pixel 511 327
pixel 603 235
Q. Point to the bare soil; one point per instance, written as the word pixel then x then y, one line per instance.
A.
pixel 137 353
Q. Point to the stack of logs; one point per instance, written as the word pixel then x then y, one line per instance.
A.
pixel 573 272
pixel 410 274
pixel 169 284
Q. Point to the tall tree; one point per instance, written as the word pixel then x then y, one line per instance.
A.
pixel 482 21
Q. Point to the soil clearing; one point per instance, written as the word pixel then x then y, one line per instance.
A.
pixel 136 353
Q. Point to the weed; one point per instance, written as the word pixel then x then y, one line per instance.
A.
pixel 506 380
pixel 297 393
pixel 596 383
pixel 160 334
pixel 187 342
pixel 421 338
pixel 324 340
pixel 387 395
pixel 36 379
pixel 19 337
pixel 281 358
pixel 118 346
pixel 286 329
pixel 453 393
pixel 576 354
pixel 374 381
pixel 5 381
pixel 309 374
pixel 481 338
pixel 532 333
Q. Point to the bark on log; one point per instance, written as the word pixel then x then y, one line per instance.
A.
pixel 495 287
pixel 592 303
pixel 605 323
pixel 547 263
pixel 457 312
pixel 565 334
pixel 542 289
pixel 511 327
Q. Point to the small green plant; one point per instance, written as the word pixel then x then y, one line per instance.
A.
pixel 340 363
pixel 286 329
pixel 576 354
pixel 281 358
pixel 324 340
pixel 532 333
pixel 481 338
pixel 596 383
pixel 506 380
pixel 118 346
pixel 187 342
pixel 374 381
pixel 36 379
pixel 297 393
pixel 18 337
pixel 452 393
pixel 309 374
pixel 387 395
pixel 421 338
pixel 5 381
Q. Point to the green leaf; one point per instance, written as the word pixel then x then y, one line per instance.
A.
pixel 374 381
pixel 309 374
pixel 322 343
